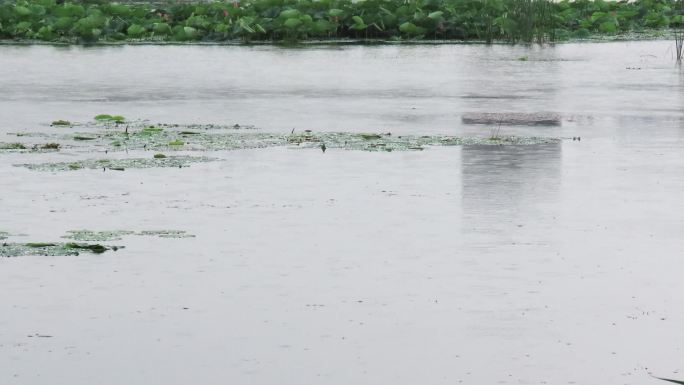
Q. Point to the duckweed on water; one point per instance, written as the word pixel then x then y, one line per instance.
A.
pixel 203 141
pixel 96 236
pixel 52 249
pixel 388 142
pixel 34 148
pixel 166 233
pixel 101 236
pixel 176 137
pixel 117 164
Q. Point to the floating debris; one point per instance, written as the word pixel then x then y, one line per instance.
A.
pixel 39 244
pixel 12 146
pixel 116 235
pixel 512 118
pixel 38 335
pixel 81 137
pixel 47 146
pixel 52 249
pixel 93 248
pixel 34 148
pixel 96 236
pixel 370 136
pixel 61 123
pixel 117 164
pixel 166 233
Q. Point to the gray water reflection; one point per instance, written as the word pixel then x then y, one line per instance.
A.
pixel 366 88
pixel 478 265
pixel 503 187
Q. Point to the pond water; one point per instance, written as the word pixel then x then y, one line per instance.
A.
pixel 556 263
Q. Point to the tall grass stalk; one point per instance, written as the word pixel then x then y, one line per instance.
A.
pixel 679 43
pixel 532 21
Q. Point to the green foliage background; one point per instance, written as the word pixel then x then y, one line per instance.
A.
pixel 273 20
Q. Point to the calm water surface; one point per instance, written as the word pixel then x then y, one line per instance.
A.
pixel 551 264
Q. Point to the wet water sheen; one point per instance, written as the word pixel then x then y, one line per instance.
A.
pixel 556 264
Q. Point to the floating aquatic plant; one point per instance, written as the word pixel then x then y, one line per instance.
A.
pixel 52 249
pixel 97 236
pixel 117 164
pixel 176 137
pixel 110 118
pixel 150 130
pixel 12 146
pixel 166 233
pixel 61 123
pixel 115 235
pixel 48 146
pixel 35 147
pixel 82 137
pixel 93 248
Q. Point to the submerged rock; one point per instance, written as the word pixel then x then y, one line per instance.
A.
pixel 512 118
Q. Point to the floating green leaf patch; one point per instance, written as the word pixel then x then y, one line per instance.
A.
pixel 52 249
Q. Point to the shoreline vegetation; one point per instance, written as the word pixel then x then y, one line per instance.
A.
pixel 326 21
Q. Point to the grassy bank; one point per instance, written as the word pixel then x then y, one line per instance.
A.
pixel 276 20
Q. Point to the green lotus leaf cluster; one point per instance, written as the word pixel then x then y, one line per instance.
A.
pixel 274 20
pixel 172 138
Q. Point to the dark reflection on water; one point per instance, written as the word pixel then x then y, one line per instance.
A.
pixel 504 186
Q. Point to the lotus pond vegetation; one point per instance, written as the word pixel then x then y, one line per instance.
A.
pixel 291 20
